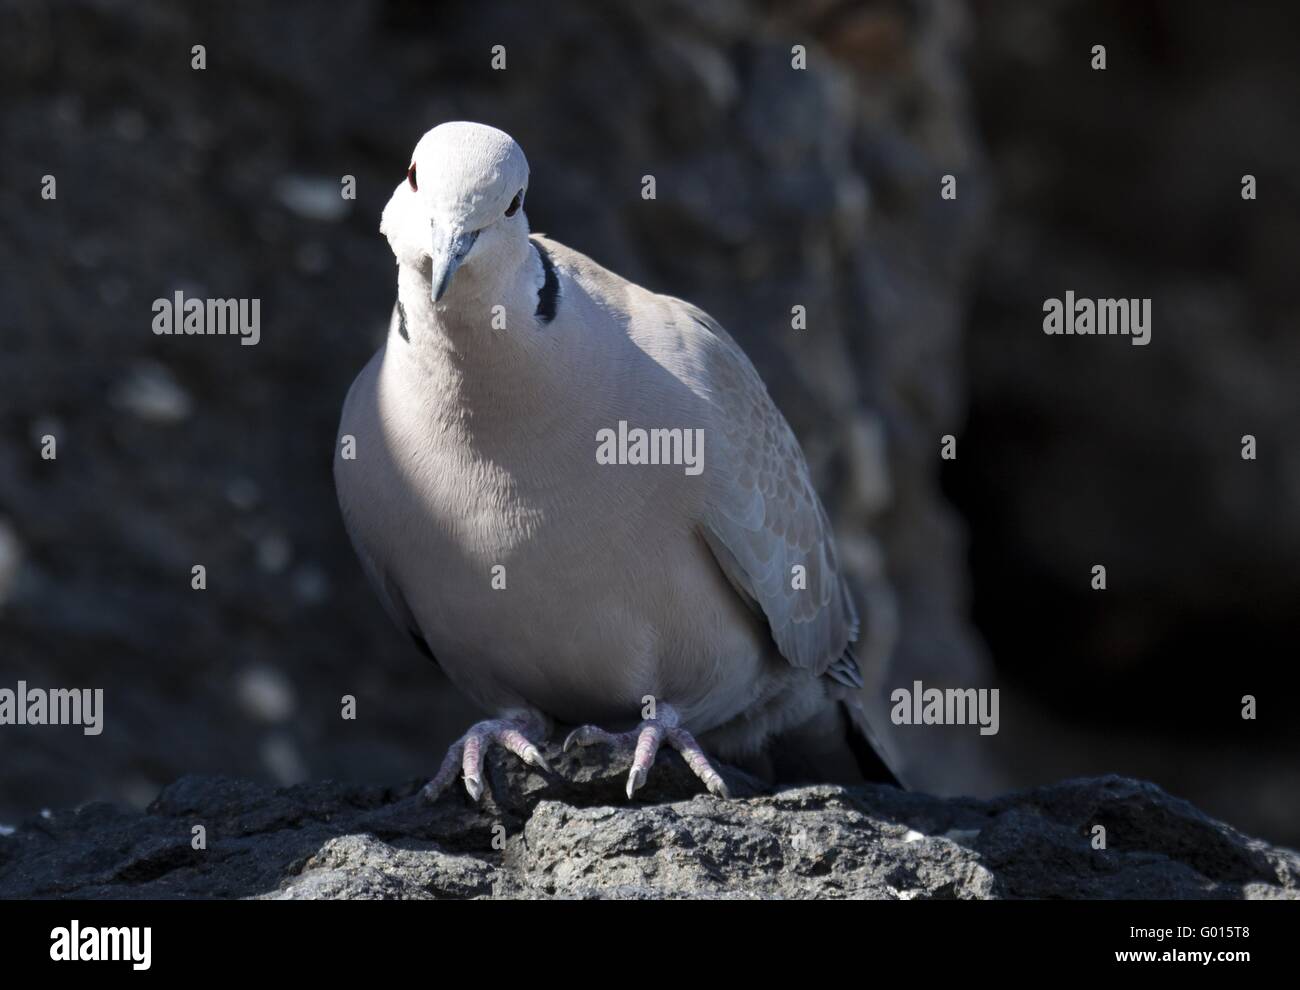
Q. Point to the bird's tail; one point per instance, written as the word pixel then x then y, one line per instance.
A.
pixel 866 749
pixel 836 746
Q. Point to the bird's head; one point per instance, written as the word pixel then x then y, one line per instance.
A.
pixel 461 205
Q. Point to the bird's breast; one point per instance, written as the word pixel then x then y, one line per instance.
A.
pixel 538 575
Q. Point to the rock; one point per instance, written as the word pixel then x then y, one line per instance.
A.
pixel 11 558
pixel 266 694
pixel 312 198
pixel 574 835
pixel 151 393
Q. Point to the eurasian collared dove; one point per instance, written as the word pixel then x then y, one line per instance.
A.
pixel 577 495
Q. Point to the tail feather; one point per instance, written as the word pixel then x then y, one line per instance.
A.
pixel 866 750
pixel 836 746
pixel 845 670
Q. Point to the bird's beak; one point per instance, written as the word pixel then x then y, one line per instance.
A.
pixel 450 246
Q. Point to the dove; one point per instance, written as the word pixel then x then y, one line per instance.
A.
pixel 639 598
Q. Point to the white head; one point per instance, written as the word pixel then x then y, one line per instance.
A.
pixel 461 206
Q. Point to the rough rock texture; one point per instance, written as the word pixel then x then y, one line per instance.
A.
pixel 575 835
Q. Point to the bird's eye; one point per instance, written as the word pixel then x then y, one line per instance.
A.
pixel 410 176
pixel 513 208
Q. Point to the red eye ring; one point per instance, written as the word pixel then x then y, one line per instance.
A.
pixel 410 176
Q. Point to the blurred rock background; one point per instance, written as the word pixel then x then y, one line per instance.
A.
pixel 816 188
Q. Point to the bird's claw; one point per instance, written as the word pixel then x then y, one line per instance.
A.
pixel 467 754
pixel 533 757
pixel 585 735
pixel 635 781
pixel 647 739
pixel 475 787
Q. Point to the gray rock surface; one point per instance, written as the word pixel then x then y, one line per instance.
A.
pixel 574 835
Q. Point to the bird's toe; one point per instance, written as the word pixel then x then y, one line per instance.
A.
pixel 468 754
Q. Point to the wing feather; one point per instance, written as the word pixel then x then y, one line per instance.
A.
pixel 764 520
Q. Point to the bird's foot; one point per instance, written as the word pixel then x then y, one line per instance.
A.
pixel 647 738
pixel 467 753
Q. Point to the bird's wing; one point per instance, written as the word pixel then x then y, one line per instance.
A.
pixel 763 518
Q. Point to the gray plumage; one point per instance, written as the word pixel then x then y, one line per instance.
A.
pixel 475 460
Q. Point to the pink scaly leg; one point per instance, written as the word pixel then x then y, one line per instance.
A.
pixel 646 740
pixel 468 752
